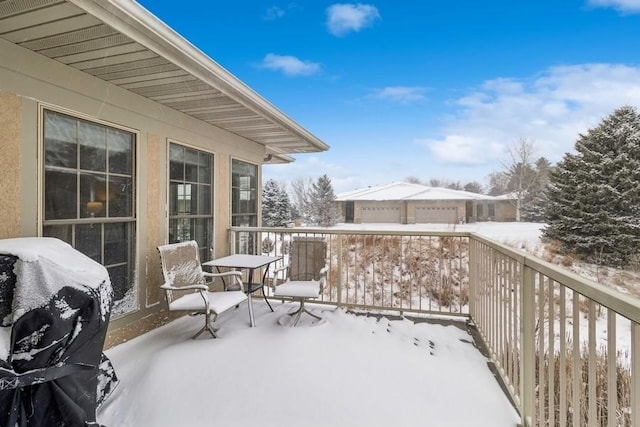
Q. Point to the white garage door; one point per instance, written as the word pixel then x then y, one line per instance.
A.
pixel 436 215
pixel 380 214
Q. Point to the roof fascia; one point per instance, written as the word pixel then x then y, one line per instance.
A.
pixel 137 23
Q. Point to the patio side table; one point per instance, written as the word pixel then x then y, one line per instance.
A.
pixel 250 263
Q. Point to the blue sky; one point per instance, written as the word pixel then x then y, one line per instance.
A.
pixel 421 88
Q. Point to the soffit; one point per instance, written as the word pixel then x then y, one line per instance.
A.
pixel 120 42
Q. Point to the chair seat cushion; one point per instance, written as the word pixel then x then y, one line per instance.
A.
pixel 218 301
pixel 302 289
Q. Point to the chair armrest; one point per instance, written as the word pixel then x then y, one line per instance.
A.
pixel 323 276
pixel 184 288
pixel 276 272
pixel 279 269
pixel 226 273
pixel 236 275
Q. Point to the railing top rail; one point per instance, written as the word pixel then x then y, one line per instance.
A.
pixel 305 230
pixel 624 304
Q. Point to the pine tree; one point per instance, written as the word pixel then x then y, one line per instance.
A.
pixel 276 209
pixel 593 205
pixel 323 207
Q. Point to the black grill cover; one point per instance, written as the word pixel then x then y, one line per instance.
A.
pixel 54 307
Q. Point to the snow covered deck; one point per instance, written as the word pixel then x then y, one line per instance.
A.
pixel 350 370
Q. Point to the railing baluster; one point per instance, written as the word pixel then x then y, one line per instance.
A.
pixel 577 362
pixel 552 353
pixel 593 381
pixel 527 334
pixel 540 416
pixel 612 367
pixel 635 374
pixel 563 386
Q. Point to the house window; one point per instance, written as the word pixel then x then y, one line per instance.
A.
pixel 492 209
pixel 89 196
pixel 480 210
pixel 190 197
pixel 244 202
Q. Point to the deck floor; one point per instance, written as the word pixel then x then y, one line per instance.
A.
pixel 347 371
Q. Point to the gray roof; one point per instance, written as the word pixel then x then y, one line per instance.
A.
pixel 410 191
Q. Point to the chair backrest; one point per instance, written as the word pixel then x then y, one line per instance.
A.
pixel 307 256
pixel 181 265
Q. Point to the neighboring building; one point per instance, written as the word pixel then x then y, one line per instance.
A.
pixel 407 203
pixel 117 136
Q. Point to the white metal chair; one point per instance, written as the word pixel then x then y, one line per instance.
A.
pixel 305 274
pixel 187 288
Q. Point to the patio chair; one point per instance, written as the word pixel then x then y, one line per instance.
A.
pixel 187 286
pixel 304 275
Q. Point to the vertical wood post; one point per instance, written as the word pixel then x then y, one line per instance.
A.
pixel 527 336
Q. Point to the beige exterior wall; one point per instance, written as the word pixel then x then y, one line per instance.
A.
pixel 360 205
pixel 10 123
pixel 28 82
pixel 413 205
pixel 504 209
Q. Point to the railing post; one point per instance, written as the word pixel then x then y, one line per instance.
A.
pixel 339 267
pixel 232 242
pixel 527 343
pixel 635 374
pixel 473 277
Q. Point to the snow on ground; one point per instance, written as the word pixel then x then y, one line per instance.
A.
pixel 514 233
pixel 348 371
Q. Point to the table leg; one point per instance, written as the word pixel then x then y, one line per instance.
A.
pixel 252 321
pixel 264 277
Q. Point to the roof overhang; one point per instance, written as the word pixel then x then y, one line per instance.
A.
pixel 120 42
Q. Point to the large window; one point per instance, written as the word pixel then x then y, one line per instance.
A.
pixel 244 202
pixel 89 196
pixel 190 197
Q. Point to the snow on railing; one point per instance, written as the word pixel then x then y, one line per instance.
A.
pixel 565 347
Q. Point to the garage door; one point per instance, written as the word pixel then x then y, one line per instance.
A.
pixel 436 215
pixel 381 214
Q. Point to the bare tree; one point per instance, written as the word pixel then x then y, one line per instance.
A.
pixel 300 188
pixel 413 180
pixel 519 171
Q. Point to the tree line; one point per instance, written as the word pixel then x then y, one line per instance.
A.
pixel 312 202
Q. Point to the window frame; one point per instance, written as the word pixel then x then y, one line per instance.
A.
pixel 131 221
pixel 207 250
pixel 244 242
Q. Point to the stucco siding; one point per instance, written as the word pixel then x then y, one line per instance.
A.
pixel 10 136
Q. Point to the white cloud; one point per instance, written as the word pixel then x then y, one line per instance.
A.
pixel 344 18
pixel 551 108
pixel 289 65
pixel 273 13
pixel 623 6
pixel 401 94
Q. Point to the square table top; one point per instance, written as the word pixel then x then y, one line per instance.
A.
pixel 242 261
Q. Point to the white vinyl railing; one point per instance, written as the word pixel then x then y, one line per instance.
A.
pixel 566 348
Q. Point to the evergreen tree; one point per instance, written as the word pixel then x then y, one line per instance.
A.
pixel 593 205
pixel 473 187
pixel 323 207
pixel 276 208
